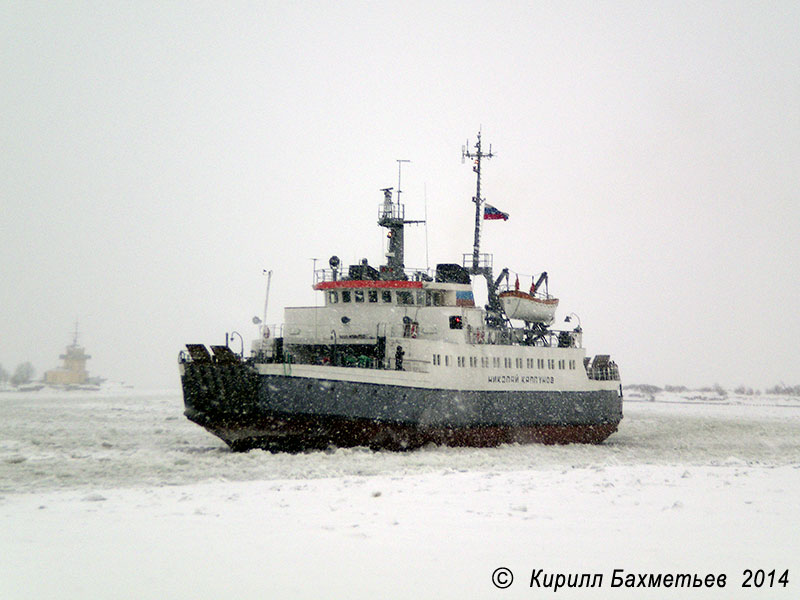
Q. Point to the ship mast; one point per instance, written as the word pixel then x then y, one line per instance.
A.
pixel 477 155
pixel 392 216
pixel 494 317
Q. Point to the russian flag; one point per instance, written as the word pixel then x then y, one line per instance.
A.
pixel 491 213
pixel 465 299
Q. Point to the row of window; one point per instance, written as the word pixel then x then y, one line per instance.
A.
pixel 405 297
pixel 496 362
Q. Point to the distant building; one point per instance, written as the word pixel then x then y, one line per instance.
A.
pixel 73 371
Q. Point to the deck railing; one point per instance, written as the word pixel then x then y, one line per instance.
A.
pixel 602 368
pixel 540 294
pixel 518 336
pixel 610 373
pixel 323 275
pixel 485 261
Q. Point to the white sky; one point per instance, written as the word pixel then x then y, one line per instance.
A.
pixel 158 156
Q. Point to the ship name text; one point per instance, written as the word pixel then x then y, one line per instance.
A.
pixel 521 379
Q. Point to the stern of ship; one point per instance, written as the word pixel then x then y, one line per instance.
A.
pixel 220 392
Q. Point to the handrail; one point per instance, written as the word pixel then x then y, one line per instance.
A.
pixel 516 336
pixel 413 274
pixel 272 330
pixel 484 260
pixel 539 295
pixel 607 373
pixel 391 211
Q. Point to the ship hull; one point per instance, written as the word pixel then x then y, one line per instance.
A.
pixel 248 409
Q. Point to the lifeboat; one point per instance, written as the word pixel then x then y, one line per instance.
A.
pixel 528 308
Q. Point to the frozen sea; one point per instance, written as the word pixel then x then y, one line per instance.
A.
pixel 117 495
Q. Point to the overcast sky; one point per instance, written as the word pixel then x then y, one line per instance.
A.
pixel 158 156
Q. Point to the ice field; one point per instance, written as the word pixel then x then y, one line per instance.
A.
pixel 117 495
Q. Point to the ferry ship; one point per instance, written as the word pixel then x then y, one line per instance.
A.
pixel 394 358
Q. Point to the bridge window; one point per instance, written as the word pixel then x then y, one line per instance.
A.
pixel 519 363
pixel 495 361
pixel 372 295
pixel 431 298
pixel 333 297
pixel 561 364
pixel 359 294
pixel 386 296
pixel 540 363
pixel 345 295
pixel 404 297
pixel 551 363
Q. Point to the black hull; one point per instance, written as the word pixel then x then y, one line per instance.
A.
pixel 248 410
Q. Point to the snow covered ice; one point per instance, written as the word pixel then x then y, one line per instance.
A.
pixel 118 495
